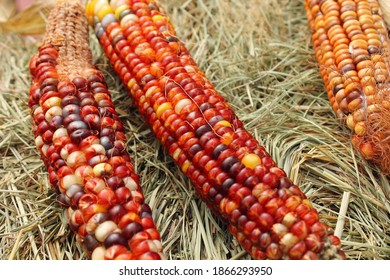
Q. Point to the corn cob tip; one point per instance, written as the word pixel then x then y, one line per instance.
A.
pixel 375 144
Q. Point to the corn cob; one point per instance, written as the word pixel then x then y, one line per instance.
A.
pixel 385 6
pixel 268 214
pixel 82 143
pixel 351 44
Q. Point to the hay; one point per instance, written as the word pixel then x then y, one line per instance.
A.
pixel 259 56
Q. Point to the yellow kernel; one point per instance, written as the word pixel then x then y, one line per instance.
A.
pixel 176 154
pixel 151 91
pixel 162 108
pixel 53 101
pixel 223 123
pixel 251 160
pixel 158 18
pixel 120 9
pixel 102 169
pixel 227 138
pixel 350 122
pixel 98 5
pixel 360 128
pixel 185 165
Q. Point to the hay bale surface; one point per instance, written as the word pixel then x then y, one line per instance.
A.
pixel 258 54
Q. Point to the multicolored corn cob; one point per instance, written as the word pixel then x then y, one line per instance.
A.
pixel 268 214
pixel 351 44
pixel 82 143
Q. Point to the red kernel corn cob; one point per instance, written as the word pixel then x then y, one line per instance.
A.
pixel 269 215
pixel 351 43
pixel 82 143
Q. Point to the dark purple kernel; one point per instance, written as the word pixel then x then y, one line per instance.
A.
pixel 171 39
pixel 90 242
pixel 212 192
pixel 108 131
pixel 193 150
pixel 202 130
pixel 218 150
pixel 228 163
pixel 56 122
pixel 80 83
pixel 226 185
pixel 115 238
pixel 94 78
pixel 113 152
pixel 116 212
pixel 218 198
pixel 215 119
pixel 75 199
pixel 75 125
pixel 195 92
pixel 241 221
pixel 251 181
pixel 70 109
pixel 115 182
pixel 63 200
pixel 71 118
pixel 70 99
pixel 236 168
pixel 79 135
pixel 85 94
pixel 205 106
pixel 131 229
pixel 145 208
pixel 48 88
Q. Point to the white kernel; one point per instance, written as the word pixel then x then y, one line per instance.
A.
pixel 53 111
pixel 98 253
pixel 104 229
pixel 181 104
pixel 130 183
pixel 60 132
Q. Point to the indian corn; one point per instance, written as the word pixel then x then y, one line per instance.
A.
pixel 351 44
pixel 266 212
pixel 82 143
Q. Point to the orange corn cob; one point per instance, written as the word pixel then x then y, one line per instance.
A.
pixel 268 214
pixel 351 44
pixel 82 143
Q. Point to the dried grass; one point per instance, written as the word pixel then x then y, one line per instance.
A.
pixel 258 54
